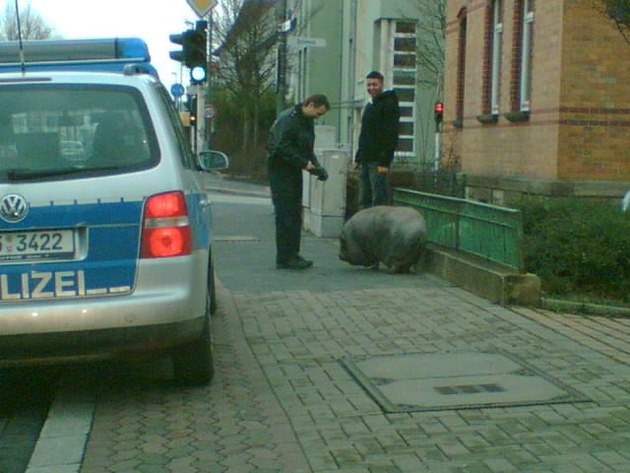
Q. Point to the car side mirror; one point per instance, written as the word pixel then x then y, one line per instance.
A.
pixel 213 160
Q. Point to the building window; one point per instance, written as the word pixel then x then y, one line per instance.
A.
pixel 522 62
pixel 497 35
pixel 461 70
pixel 403 64
pixel 492 63
pixel 526 54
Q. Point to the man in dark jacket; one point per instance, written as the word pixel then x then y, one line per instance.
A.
pixel 291 150
pixel 377 142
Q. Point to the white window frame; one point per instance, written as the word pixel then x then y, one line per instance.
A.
pixel 497 36
pixel 526 55
pixel 389 34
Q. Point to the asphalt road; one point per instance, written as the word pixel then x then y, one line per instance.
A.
pixel 25 395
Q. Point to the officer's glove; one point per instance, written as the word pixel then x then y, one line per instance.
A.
pixel 320 172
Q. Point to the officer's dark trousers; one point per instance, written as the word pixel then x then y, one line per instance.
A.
pixel 286 193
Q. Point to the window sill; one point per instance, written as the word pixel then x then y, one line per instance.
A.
pixel 516 117
pixel 488 119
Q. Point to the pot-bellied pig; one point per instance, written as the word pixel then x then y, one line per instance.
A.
pixel 394 236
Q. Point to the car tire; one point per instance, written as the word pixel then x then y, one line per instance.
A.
pixel 193 364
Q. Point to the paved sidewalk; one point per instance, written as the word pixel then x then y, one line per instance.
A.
pixel 299 339
pixel 285 400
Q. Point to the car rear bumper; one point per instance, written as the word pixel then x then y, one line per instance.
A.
pixel 90 345
pixel 166 309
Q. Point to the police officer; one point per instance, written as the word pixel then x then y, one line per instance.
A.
pixel 291 144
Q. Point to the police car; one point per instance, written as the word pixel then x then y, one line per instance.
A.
pixel 107 255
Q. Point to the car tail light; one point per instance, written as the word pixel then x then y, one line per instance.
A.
pixel 166 228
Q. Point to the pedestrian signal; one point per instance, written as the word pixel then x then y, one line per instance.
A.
pixel 439 112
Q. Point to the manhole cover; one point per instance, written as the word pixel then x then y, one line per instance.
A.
pixel 461 380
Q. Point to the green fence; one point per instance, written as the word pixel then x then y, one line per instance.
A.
pixel 488 231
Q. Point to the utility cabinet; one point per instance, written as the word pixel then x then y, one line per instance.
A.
pixel 325 201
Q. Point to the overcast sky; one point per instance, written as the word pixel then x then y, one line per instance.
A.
pixel 151 20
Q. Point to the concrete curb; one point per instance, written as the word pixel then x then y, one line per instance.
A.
pixel 222 185
pixel 65 433
pixel 496 284
pixel 558 305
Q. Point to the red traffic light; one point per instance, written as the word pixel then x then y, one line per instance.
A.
pixel 438 112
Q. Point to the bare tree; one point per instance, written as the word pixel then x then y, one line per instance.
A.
pixel 32 24
pixel 431 27
pixel 247 35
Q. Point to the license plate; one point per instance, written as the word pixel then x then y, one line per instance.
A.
pixel 46 244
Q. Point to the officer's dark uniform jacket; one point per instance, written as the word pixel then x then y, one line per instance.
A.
pixel 379 130
pixel 291 141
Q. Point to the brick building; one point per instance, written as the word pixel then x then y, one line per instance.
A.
pixel 537 99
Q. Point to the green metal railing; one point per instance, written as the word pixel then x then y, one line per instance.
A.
pixel 488 231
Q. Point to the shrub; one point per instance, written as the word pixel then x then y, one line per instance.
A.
pixel 578 247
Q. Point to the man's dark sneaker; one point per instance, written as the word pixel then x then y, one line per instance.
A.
pixel 297 263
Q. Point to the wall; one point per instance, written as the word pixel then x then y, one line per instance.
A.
pixel 595 138
pixel 576 139
pixel 318 69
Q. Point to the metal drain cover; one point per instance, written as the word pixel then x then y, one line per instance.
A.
pixel 461 380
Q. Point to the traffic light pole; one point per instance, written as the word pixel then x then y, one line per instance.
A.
pixel 208 134
pixel 438 115
pixel 438 147
pixel 199 130
pixel 194 56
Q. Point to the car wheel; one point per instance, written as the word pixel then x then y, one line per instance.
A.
pixel 194 364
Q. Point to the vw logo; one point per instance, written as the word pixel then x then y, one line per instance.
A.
pixel 13 208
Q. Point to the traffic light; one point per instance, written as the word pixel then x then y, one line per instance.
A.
pixel 178 39
pixel 192 108
pixel 438 112
pixel 195 52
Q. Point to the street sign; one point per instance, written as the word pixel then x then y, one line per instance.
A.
pixel 209 111
pixel 298 42
pixel 177 90
pixel 202 7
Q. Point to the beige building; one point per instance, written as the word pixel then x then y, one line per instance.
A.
pixel 537 99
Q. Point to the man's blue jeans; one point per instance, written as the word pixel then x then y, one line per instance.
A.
pixel 373 187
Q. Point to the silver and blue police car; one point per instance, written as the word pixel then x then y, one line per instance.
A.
pixel 105 251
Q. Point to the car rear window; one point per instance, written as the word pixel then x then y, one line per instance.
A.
pixel 65 131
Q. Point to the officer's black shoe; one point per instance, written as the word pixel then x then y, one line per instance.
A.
pixel 297 263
